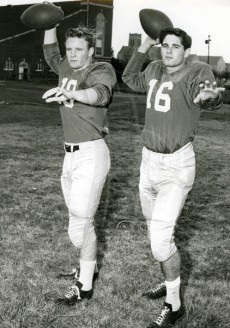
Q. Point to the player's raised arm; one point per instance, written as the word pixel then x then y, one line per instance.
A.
pixel 132 75
pixel 51 49
pixel 147 45
pixel 50 36
pixel 152 21
pixel 45 16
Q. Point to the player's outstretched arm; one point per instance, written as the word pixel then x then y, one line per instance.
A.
pixel 207 92
pixel 87 96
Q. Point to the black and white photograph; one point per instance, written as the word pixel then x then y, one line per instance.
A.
pixel 114 152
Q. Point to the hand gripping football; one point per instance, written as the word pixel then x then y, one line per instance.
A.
pixel 153 21
pixel 42 16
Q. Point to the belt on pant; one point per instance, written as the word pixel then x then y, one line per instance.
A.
pixel 71 148
pixel 85 144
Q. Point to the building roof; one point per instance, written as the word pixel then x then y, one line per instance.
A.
pixel 125 52
pixel 213 60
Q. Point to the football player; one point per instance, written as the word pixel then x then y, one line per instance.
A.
pixel 177 91
pixel 84 93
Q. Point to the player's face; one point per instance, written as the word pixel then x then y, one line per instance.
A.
pixel 77 52
pixel 173 53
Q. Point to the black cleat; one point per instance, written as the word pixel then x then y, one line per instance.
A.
pixel 75 295
pixel 167 318
pixel 157 292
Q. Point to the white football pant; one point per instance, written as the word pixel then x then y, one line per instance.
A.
pixel 165 180
pixel 83 177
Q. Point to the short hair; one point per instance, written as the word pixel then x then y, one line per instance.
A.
pixel 186 39
pixel 82 32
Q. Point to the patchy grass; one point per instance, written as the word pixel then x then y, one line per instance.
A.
pixel 34 241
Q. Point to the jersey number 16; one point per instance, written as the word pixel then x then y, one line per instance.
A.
pixel 162 100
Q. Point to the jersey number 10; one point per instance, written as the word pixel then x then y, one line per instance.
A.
pixel 70 86
pixel 162 100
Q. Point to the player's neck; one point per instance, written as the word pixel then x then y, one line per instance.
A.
pixel 172 69
pixel 86 64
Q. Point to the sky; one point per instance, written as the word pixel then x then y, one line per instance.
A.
pixel 199 18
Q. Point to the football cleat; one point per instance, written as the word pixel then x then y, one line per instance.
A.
pixel 74 295
pixel 157 292
pixel 168 317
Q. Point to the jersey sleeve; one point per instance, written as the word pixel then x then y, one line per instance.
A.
pixel 132 76
pixel 52 56
pixel 201 74
pixel 102 78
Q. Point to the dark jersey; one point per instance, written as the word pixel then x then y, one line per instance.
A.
pixel 171 115
pixel 82 122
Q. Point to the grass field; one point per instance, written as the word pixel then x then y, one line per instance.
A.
pixel 33 221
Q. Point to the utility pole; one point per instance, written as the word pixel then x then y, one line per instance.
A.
pixel 208 43
pixel 87 22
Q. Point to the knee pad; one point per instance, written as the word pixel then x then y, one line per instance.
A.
pixel 162 252
pixel 76 237
pixel 81 231
pixel 162 240
pixel 78 210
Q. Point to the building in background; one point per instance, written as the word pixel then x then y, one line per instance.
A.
pixel 134 42
pixel 21 55
pixel 217 63
pixel 126 52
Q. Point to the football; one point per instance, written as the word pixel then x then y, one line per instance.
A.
pixel 153 21
pixel 42 16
